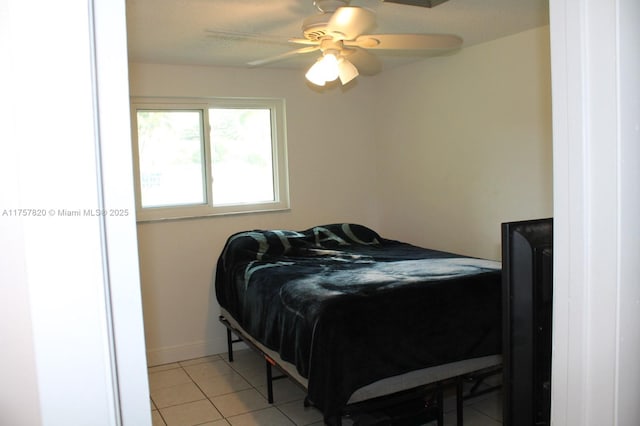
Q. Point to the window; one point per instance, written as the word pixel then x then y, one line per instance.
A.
pixel 208 157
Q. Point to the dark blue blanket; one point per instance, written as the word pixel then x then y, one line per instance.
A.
pixel 349 307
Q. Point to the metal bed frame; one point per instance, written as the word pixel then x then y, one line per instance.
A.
pixel 435 389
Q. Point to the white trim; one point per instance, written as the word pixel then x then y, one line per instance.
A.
pixel 122 285
pixel 595 99
pixel 569 219
pixel 114 394
pixel 209 208
pixel 197 349
pixel 628 208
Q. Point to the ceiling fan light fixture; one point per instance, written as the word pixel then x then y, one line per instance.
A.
pixel 325 69
pixel 343 34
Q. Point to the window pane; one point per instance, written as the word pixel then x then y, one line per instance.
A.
pixel 242 166
pixel 170 150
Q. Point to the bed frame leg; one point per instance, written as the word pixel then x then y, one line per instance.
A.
pixel 333 421
pixel 440 403
pixel 230 345
pixel 269 382
pixel 459 402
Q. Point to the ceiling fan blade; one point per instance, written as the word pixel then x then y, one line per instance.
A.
pixel 282 56
pixel 240 36
pixel 367 63
pixel 303 41
pixel 408 41
pixel 348 22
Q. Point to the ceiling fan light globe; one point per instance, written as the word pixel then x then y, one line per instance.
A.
pixel 330 68
pixel 315 74
pixel 346 71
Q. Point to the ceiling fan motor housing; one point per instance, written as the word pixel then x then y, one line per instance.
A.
pixel 314 28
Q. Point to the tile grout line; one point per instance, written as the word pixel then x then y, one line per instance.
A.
pixel 271 405
pixel 208 398
pixel 202 391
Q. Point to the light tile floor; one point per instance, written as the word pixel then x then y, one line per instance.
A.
pixel 210 391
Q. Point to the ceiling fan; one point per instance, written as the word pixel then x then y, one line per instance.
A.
pixel 342 33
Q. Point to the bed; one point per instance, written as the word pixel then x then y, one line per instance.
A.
pixel 351 315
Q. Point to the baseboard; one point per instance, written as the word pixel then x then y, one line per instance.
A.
pixel 169 354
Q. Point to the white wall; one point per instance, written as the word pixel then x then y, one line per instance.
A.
pixel 331 150
pixel 465 144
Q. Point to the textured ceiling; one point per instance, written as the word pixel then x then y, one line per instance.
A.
pixel 234 32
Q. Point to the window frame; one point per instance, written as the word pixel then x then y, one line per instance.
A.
pixel 185 211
